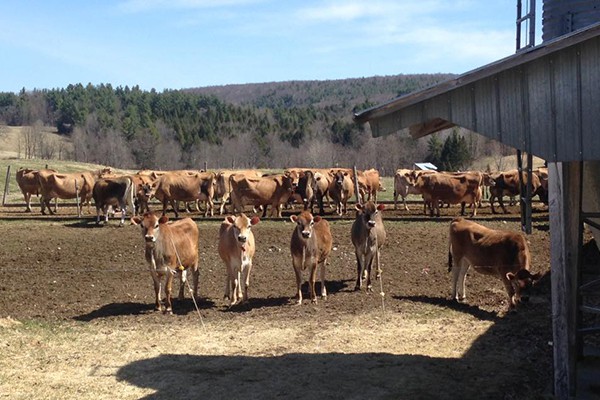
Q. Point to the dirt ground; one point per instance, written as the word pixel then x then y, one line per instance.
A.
pixel 77 319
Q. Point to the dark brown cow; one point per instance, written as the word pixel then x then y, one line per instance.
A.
pixel 310 246
pixel 451 189
pixel 115 192
pixel 273 190
pixel 508 184
pixel 341 189
pixel 368 235
pixel 170 248
pixel 504 254
pixel 28 182
pixel 175 186
pixel 236 249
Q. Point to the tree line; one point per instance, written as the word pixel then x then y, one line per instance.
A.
pixel 268 125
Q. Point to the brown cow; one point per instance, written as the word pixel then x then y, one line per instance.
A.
pixel 508 184
pixel 170 248
pixel 143 192
pixel 175 186
pixel 28 182
pixel 310 246
pixel 323 180
pixel 67 186
pixel 369 183
pixel 236 248
pixel 274 190
pixel 341 189
pixel 368 235
pixel 223 186
pixel 404 185
pixel 115 192
pixel 504 254
pixel 451 189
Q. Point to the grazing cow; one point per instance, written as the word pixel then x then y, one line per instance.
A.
pixel 500 253
pixel 310 246
pixel 28 182
pixel 67 186
pixel 274 190
pixel 223 186
pixel 369 183
pixel 170 248
pixel 115 192
pixel 508 184
pixel 450 188
pixel 341 189
pixel 236 248
pixel 368 235
pixel 175 186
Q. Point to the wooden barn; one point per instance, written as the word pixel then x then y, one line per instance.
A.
pixel 543 100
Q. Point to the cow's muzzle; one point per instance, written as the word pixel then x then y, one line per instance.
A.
pixel 150 238
pixel 242 239
pixel 371 223
pixel 305 234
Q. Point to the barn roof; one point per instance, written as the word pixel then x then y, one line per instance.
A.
pixel 544 100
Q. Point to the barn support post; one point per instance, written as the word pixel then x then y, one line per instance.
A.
pixel 6 185
pixel 564 204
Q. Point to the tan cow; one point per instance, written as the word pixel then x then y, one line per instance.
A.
pixel 499 253
pixel 236 248
pixel 369 183
pixel 67 186
pixel 274 190
pixel 174 186
pixel 368 235
pixel 171 248
pixel 28 182
pixel 508 184
pixel 323 180
pixel 115 192
pixel 341 189
pixel 310 246
pixel 143 192
pixel 223 186
pixel 451 189
pixel 403 186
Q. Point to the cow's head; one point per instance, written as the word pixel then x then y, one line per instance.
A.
pixel 294 176
pixel 339 176
pixel 369 213
pixel 146 191
pixel 150 224
pixel 242 228
pixel 522 282
pixel 305 223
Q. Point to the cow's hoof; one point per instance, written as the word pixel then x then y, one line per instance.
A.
pixel 357 288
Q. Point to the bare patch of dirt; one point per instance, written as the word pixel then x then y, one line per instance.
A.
pixel 85 301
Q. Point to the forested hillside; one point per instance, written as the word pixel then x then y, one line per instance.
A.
pixel 274 124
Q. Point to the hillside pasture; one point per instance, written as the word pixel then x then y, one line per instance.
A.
pixel 77 319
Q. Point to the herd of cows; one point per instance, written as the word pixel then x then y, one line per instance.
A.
pixel 171 247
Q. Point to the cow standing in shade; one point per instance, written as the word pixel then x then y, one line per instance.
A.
pixel 310 246
pixel 236 248
pixel 170 248
pixel 368 235
pixel 500 253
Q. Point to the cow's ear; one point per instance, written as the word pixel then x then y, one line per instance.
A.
pixel 135 220
pixel 510 276
pixel 317 218
pixel 255 220
pixel 163 219
pixel 358 207
pixel 293 218
pixel 381 207
pixel 230 219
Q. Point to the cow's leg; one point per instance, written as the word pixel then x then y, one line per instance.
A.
pixel 297 264
pixel 377 259
pixel 359 270
pixel 492 199
pixel 369 267
pixel 323 288
pixel 237 292
pixel 461 278
pixel 246 275
pixel 501 201
pixel 168 291
pixel 182 282
pixel 320 203
pixel 157 291
pixel 313 281
pixel 228 281
pixel 175 205
pixel 123 213
pixel 27 201
pixel 510 290
pixel 210 205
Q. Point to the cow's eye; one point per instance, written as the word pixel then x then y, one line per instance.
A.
pixel 312 222
pixel 156 226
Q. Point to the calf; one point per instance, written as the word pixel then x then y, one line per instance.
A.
pixel 170 248
pixel 115 192
pixel 236 248
pixel 504 254
pixel 368 235
pixel 310 246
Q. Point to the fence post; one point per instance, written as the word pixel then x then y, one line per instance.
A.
pixel 6 185
pixel 358 199
pixel 77 199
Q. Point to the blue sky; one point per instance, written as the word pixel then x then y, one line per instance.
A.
pixel 174 44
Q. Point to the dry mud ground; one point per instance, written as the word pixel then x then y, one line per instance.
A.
pixel 77 319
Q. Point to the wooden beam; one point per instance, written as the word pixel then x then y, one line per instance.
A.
pixel 564 200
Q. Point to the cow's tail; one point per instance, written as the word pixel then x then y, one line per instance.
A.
pixel 129 195
pixel 450 258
